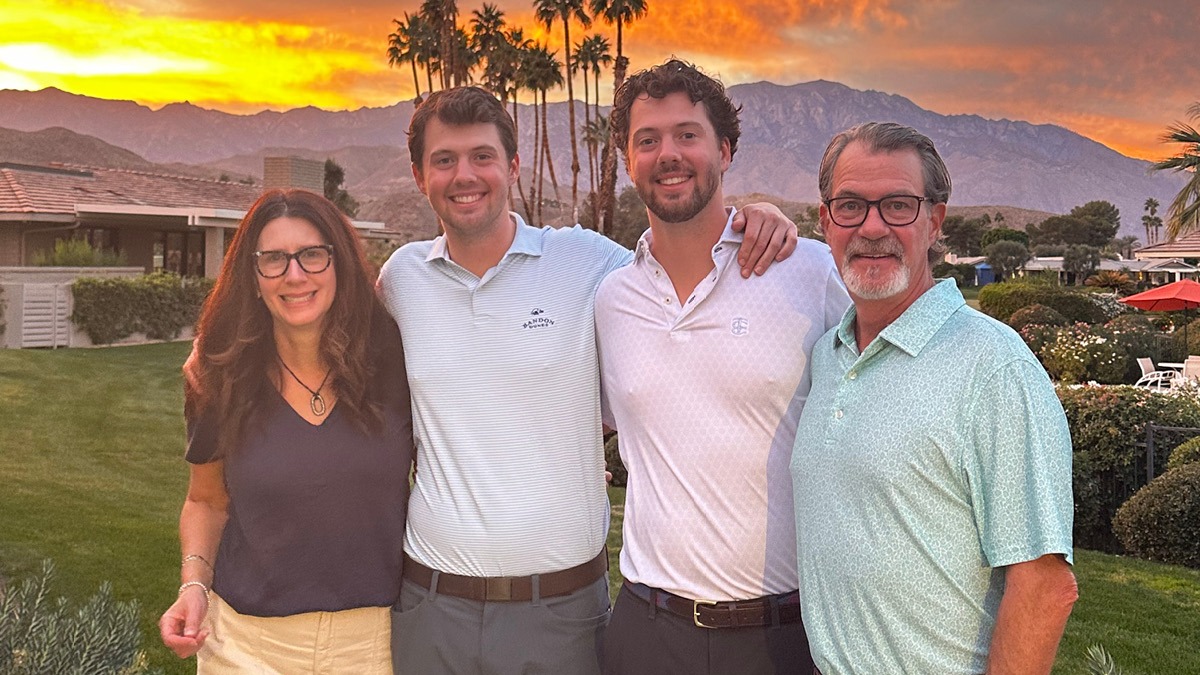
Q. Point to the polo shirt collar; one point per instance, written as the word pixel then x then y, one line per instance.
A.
pixel 918 324
pixel 528 241
pixel 642 250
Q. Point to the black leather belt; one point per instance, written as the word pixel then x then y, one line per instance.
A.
pixel 504 589
pixel 769 610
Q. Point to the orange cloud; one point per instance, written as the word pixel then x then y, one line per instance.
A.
pixel 1116 71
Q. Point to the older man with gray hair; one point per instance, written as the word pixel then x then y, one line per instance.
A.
pixel 932 466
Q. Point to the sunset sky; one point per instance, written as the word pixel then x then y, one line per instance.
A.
pixel 1114 70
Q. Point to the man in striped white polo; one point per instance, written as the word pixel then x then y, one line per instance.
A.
pixel 505 564
pixel 705 374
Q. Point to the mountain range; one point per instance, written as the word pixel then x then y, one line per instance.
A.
pixel 784 131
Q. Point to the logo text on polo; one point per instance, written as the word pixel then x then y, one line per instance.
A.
pixel 740 326
pixel 538 321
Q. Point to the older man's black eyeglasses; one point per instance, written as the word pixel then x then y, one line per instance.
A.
pixel 312 259
pixel 896 210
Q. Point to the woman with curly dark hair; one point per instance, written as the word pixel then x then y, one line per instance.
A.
pixel 299 447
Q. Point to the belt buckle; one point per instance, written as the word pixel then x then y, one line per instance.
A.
pixel 696 604
pixel 498 589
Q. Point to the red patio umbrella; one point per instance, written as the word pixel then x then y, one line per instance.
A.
pixel 1182 295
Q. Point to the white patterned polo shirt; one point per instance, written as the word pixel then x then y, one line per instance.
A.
pixel 705 398
pixel 922 466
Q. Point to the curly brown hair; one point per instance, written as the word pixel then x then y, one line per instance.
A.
pixel 234 355
pixel 668 78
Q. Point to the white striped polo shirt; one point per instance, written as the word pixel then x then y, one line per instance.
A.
pixel 506 402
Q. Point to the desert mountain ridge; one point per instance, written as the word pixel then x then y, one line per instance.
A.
pixel 1042 168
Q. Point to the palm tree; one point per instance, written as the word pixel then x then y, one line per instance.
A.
pixel 464 58
pixel 403 48
pixel 490 44
pixel 520 51
pixel 442 16
pixel 543 72
pixel 1183 216
pixel 1148 220
pixel 591 54
pixel 595 135
pixel 615 13
pixel 547 12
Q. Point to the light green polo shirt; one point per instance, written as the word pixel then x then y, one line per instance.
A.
pixel 922 465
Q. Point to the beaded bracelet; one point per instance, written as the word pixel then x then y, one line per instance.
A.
pixel 196 556
pixel 204 588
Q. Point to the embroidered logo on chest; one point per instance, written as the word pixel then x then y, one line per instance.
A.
pixel 538 320
pixel 740 326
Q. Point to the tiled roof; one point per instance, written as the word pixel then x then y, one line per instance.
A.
pixel 58 188
pixel 1186 246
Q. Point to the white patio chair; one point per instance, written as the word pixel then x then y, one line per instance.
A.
pixel 1155 379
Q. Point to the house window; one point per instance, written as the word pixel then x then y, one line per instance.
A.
pixel 100 238
pixel 180 252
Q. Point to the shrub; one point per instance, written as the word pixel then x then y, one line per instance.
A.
pixel 1039 314
pixel 159 305
pixel 3 306
pixel 1036 336
pixel 1002 300
pixel 1162 521
pixel 1140 337
pixel 1083 353
pixel 41 635
pixel 1188 452
pixel 613 463
pixel 1192 346
pixel 1107 426
pixel 77 253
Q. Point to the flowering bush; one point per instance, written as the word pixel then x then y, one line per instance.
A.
pixel 1141 338
pixel 1108 305
pixel 1036 336
pixel 1082 353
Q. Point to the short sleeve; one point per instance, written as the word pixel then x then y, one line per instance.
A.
pixel 1018 466
pixel 201 437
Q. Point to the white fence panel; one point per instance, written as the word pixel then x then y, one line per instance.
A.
pixel 46 320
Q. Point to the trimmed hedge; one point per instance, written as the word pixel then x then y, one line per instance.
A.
pixel 1107 423
pixel 1036 314
pixel 1162 521
pixel 159 305
pixel 1001 300
pixel 1188 452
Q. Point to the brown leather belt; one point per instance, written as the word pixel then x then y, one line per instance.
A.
pixel 508 589
pixel 765 611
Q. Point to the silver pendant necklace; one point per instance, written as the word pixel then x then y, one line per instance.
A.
pixel 317 402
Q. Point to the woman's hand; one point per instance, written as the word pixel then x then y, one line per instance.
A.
pixel 180 624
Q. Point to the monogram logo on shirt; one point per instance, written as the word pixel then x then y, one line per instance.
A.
pixel 538 321
pixel 740 326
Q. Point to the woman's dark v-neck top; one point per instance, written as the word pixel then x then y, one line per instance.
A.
pixel 316 513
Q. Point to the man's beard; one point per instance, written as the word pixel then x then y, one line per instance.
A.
pixel 875 284
pixel 682 210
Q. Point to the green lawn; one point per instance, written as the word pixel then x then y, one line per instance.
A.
pixel 92 475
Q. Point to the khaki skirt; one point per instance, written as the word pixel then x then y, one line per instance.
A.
pixel 351 641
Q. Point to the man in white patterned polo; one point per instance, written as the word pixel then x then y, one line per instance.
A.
pixel 704 375
pixel 933 462
pixel 504 568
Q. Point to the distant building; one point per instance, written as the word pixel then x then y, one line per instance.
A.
pixel 294 172
pixel 157 221
pixel 1147 272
